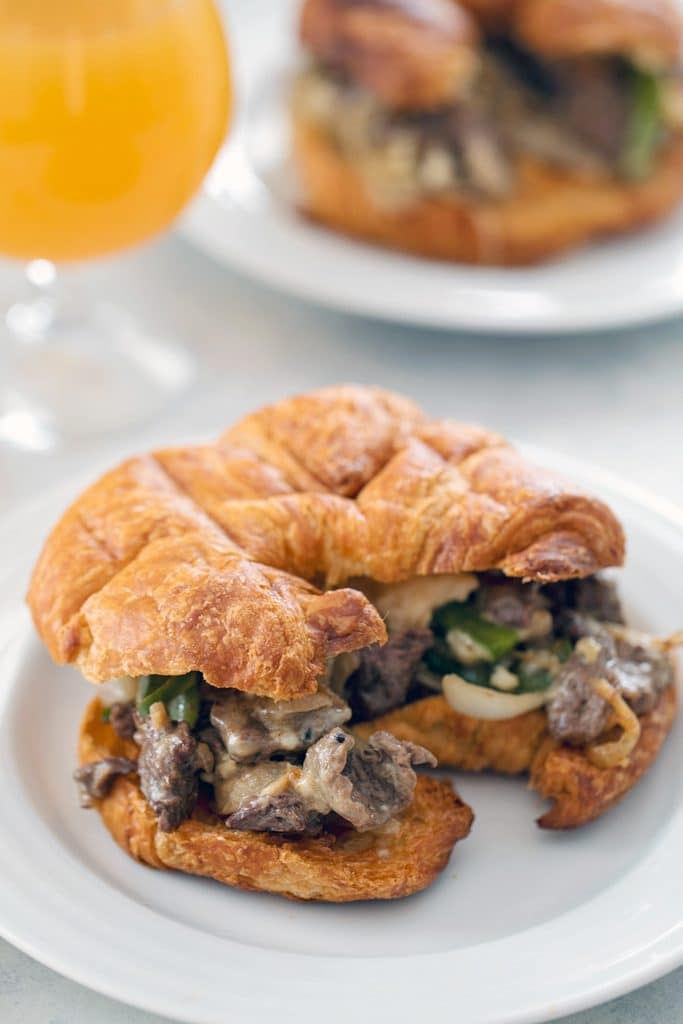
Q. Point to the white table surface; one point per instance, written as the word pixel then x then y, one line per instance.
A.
pixel 615 399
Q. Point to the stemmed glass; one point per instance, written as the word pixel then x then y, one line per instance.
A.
pixel 111 113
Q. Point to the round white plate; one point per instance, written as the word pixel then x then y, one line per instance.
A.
pixel 522 926
pixel 246 217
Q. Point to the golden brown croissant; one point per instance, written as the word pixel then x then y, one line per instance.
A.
pixel 430 496
pixel 135 565
pixel 567 127
pixel 343 482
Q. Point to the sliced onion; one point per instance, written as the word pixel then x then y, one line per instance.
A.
pixel 410 603
pixel 118 691
pixel 480 702
pixel 616 752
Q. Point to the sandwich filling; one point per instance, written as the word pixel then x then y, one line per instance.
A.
pixel 284 767
pixel 500 648
pixel 494 647
pixel 589 116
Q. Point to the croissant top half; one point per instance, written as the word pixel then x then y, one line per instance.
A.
pixel 196 558
pixel 419 54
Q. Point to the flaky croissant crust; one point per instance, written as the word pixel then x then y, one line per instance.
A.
pixel 195 558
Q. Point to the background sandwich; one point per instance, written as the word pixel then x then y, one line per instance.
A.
pixel 489 131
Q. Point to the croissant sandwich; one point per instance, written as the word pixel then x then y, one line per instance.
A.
pixel 287 621
pixel 489 131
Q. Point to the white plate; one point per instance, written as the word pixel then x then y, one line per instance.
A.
pixel 522 926
pixel 245 217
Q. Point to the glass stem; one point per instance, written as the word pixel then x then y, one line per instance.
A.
pixel 73 367
pixel 31 317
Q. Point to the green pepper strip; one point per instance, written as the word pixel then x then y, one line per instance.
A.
pixel 644 125
pixel 532 682
pixel 180 694
pixel 495 639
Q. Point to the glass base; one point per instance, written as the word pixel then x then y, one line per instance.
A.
pixel 69 375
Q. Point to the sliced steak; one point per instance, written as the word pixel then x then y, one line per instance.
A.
pixel 576 714
pixel 384 675
pixel 286 812
pixel 512 603
pixel 640 671
pixel 599 598
pixel 593 101
pixel 254 728
pixel 364 783
pixel 594 596
pixel 168 766
pixel 122 719
pixel 634 665
pixel 263 797
pixel 95 779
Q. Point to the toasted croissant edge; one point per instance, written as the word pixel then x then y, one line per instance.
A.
pixel 579 790
pixel 398 860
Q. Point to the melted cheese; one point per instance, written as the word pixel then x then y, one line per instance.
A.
pixel 409 604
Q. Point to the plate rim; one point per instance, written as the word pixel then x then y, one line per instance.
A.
pixel 653 966
pixel 206 225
